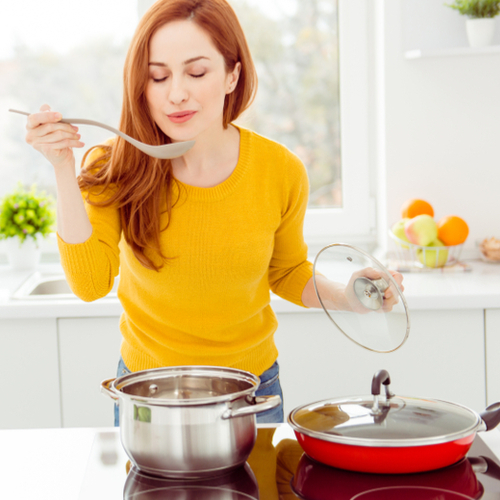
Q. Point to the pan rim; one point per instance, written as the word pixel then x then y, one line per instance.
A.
pixel 385 442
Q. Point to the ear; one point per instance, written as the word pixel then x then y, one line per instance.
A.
pixel 233 77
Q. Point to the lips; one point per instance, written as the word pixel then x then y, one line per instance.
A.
pixel 181 116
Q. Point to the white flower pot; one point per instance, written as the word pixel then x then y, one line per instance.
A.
pixel 23 256
pixel 480 31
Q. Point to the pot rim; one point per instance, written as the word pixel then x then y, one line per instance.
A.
pixel 386 442
pixel 206 371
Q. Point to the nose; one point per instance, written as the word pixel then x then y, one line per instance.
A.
pixel 177 91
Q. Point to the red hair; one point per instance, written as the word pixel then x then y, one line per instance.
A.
pixel 140 183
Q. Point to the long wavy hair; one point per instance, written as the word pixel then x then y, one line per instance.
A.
pixel 138 184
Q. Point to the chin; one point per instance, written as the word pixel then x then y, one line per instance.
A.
pixel 177 135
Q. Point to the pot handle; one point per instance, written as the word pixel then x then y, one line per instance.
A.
pixel 491 416
pixel 257 404
pixel 106 390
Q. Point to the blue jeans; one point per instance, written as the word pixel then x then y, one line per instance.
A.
pixel 269 386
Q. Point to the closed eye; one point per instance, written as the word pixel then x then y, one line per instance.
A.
pixel 157 80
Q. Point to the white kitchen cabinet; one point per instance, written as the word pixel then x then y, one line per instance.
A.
pixel 29 373
pixel 54 368
pixel 492 329
pixel 89 350
pixel 443 358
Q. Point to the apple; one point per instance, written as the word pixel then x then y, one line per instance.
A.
pixel 421 230
pixel 398 230
pixel 433 258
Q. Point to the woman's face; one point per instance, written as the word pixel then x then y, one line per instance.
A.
pixel 187 81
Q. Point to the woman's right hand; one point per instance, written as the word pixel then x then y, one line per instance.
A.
pixel 54 139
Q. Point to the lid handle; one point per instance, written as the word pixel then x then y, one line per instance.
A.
pixel 381 377
pixel 370 292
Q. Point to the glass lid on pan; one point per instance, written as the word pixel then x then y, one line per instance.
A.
pixel 363 314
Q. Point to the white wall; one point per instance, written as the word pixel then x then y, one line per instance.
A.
pixel 442 119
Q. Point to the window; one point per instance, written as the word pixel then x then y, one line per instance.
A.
pixel 72 60
pixel 294 44
pixel 312 60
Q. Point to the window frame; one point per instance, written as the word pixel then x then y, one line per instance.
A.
pixel 355 222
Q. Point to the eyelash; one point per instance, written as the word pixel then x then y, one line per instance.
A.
pixel 163 79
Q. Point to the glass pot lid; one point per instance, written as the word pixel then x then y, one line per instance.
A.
pixel 389 420
pixel 364 315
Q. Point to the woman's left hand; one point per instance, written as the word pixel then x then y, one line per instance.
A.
pixel 391 296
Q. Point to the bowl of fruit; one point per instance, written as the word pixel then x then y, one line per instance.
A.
pixel 425 242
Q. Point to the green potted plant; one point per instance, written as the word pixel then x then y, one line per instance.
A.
pixel 25 217
pixel 480 25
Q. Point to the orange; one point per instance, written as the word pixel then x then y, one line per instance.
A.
pixel 452 230
pixel 413 207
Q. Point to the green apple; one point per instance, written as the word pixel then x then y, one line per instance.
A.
pixel 421 230
pixel 433 258
pixel 398 230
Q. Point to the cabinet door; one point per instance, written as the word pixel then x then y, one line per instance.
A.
pixel 29 374
pixel 443 358
pixel 492 327
pixel 89 350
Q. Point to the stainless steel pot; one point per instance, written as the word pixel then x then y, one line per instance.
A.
pixel 188 421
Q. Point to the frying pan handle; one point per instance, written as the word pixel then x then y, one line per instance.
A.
pixel 491 416
pixel 485 466
pixel 381 377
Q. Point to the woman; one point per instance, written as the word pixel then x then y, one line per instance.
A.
pixel 198 240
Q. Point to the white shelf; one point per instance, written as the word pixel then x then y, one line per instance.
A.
pixel 459 51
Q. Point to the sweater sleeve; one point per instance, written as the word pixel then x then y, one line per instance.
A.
pixel 289 269
pixel 92 266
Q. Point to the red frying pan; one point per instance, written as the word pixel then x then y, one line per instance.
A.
pixel 389 435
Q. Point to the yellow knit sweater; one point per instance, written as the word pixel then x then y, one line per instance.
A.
pixel 227 246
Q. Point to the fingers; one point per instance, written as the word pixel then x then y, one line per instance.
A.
pixel 43 123
pixel 391 297
pixel 44 116
pixel 52 132
pixel 47 134
pixel 398 277
pixel 55 148
pixel 368 272
pixel 58 135
pixel 54 138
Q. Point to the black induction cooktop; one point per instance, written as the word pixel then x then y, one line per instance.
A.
pixel 277 469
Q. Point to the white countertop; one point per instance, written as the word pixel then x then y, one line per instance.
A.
pixel 476 289
pixel 50 464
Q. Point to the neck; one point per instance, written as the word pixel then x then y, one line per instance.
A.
pixel 211 160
